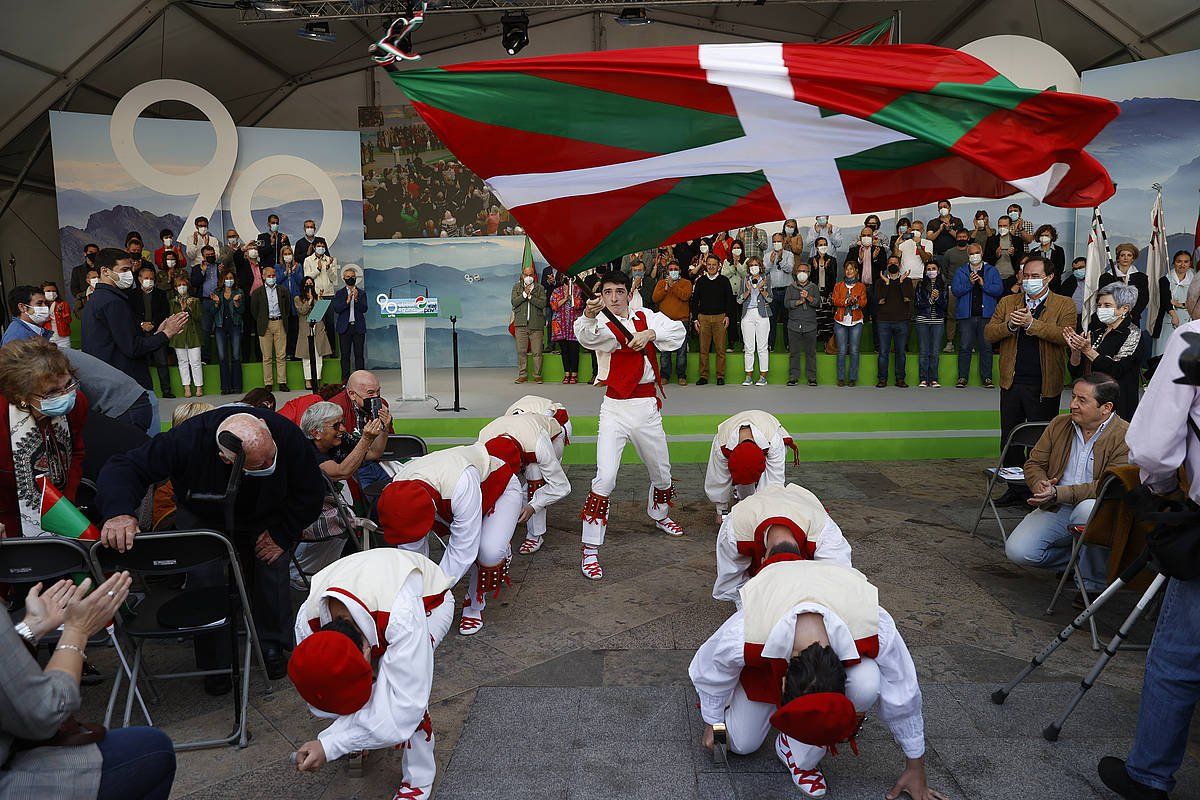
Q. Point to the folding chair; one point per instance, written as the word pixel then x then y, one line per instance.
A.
pixel 46 559
pixel 403 447
pixel 1024 435
pixel 348 523
pixel 188 612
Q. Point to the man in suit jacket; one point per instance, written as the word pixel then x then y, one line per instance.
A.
pixel 1027 329
pixel 269 306
pixel 350 320
pixel 275 502
pixel 269 243
pixel 150 307
pixel 1005 249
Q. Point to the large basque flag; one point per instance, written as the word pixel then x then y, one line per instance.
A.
pixel 602 154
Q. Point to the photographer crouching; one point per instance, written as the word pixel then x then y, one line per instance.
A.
pixel 1164 436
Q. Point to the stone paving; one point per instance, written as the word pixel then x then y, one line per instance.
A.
pixel 575 689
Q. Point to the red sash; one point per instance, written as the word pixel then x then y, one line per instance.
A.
pixel 626 365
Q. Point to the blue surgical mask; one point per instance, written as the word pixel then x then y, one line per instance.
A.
pixel 274 227
pixel 1079 273
pixel 269 281
pixel 1033 286
pixel 265 471
pixel 58 406
pixel 1107 316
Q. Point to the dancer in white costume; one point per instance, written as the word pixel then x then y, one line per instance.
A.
pixel 809 653
pixel 630 411
pixel 468 495
pixel 535 404
pixel 387 608
pixel 748 453
pixel 773 515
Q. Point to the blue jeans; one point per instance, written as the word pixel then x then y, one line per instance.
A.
pixel 229 351
pixel 139 764
pixel 929 339
pixel 847 337
pixel 1041 540
pixel 970 335
pixel 680 356
pixel 1170 690
pixel 892 333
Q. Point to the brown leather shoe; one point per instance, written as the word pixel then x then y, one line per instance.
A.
pixel 521 380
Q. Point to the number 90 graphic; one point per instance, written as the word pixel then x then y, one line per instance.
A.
pixel 209 182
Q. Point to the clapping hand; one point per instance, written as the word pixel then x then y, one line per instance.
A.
pixel 1045 494
pixel 45 611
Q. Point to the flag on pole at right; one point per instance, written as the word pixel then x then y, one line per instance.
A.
pixel 1097 264
pixel 1156 257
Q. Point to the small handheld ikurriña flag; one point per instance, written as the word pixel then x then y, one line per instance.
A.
pixel 607 153
pixel 60 516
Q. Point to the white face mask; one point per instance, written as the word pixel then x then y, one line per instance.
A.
pixel 1106 315
pixel 228 284
pixel 790 230
pixel 51 296
pixel 93 282
pixel 737 251
pixel 943 212
pixel 310 232
pixel 778 246
pixel 931 273
pixel 125 280
pixel 703 248
pixel 319 251
pixel 147 283
pixel 181 289
pixel 975 258
pixel 170 262
pixel 822 220
pixel 755 269
pixel 1002 230
pixel 865 241
pixel 288 258
pixel 167 240
pixel 822 249
pixel 528 280
pixel 252 255
pixel 802 277
pixel 673 274
pixel 38 314
pixel 202 230
pixel 1045 240
pixel 1014 215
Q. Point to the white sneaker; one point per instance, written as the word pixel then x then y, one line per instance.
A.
pixel 748 382
pixel 761 381
pixel 810 782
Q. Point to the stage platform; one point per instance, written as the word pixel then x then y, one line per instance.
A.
pixel 828 423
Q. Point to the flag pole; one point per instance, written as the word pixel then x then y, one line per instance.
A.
pixel 896 35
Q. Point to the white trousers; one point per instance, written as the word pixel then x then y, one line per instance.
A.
pixel 638 421
pixel 61 342
pixel 748 722
pixel 495 542
pixel 755 329
pixel 535 526
pixel 418 763
pixel 191 371
pixel 308 367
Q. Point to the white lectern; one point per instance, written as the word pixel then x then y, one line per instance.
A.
pixel 410 314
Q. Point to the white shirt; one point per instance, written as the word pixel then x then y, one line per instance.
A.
pixel 718 484
pixel 717 668
pixel 272 301
pixel 594 334
pixel 911 264
pixel 400 694
pixel 733 568
pixel 324 272
pixel 546 467
pixel 462 546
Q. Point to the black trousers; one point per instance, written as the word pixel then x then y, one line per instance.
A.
pixel 353 339
pixel 266 586
pixel 1023 403
pixel 570 355
pixel 158 358
pixel 292 333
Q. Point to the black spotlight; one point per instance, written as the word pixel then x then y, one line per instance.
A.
pixel 514 32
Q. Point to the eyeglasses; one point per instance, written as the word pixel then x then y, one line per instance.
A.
pixel 70 387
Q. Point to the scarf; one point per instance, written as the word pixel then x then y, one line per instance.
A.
pixel 37 450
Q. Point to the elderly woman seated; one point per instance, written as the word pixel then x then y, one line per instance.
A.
pixel 321 543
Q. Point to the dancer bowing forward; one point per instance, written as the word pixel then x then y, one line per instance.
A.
pixel 630 411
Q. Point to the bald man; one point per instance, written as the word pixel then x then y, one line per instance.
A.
pixel 361 386
pixel 279 496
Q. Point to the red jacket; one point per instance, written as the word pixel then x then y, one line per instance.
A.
pixel 60 318
pixel 9 515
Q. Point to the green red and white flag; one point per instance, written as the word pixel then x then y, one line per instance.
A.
pixel 62 517
pixel 882 32
pixel 1156 254
pixel 602 154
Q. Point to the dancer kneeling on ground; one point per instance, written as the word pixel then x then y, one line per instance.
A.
pixel 538 467
pixel 775 515
pixel 473 498
pixel 810 652
pixel 631 407
pixel 387 608
pixel 747 454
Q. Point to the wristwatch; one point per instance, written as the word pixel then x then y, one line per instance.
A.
pixel 25 632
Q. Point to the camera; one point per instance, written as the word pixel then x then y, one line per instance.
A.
pixel 372 406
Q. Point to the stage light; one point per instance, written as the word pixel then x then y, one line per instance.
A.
pixel 633 16
pixel 317 31
pixel 514 32
pixel 272 8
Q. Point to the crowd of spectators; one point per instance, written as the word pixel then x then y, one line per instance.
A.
pixel 414 199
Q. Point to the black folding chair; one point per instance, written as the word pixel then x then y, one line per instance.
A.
pixel 347 521
pixel 45 560
pixel 1025 435
pixel 167 613
pixel 403 447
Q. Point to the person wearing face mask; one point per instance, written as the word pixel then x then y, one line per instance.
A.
pixel 137 250
pixel 823 227
pixel 290 275
pixel 672 296
pixel 279 496
pixel 1113 345
pixel 205 280
pixel 893 309
pixel 849 301
pixel 46 413
pixel 234 257
pixel 186 343
pixel 712 307
pixel 110 330
pixel 1172 293
pixel 200 238
pixel 1020 226
pixel 59 322
pixel 349 310
pixel 982 230
pixel 1125 272
pixel 30 313
pixel 303 303
pixel 172 265
pixel 793 239
pixel 823 269
pixel 566 304
pixel 1073 284
pixel 272 241
pixel 912 262
pixel 733 267
pixel 641 290
pixel 229 306
pixel 780 264
pixel 303 248
pixel 79 273
pixel 757 313
pixel 803 302
pixel 950 262
pixel 977 288
pixel 169 247
pixel 269 306
pixel 1044 245
pixel 91 281
pixel 322 268
pixel 1005 249
pixel 942 230
pixel 1027 329
pixel 903 225
pixel 529 321
pixel 931 301
pixel 150 308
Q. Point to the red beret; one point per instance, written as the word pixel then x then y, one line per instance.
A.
pixel 561 416
pixel 507 449
pixel 821 719
pixel 330 673
pixel 406 512
pixel 747 462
